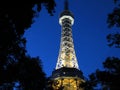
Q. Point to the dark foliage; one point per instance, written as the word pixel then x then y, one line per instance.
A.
pixel 15 65
pixel 114 40
pixel 49 83
pixel 107 79
pixel 114 20
pixel 31 75
pixel 90 83
pixel 114 17
pixel 28 72
pixel 20 14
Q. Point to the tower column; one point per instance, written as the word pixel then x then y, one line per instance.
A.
pixel 67 75
pixel 67 57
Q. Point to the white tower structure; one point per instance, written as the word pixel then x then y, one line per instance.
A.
pixel 67 75
pixel 67 57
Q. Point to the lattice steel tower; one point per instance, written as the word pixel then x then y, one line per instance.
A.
pixel 67 75
pixel 67 57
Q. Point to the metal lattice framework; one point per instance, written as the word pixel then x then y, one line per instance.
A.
pixel 67 75
pixel 67 56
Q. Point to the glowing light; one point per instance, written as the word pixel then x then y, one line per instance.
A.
pixel 66 16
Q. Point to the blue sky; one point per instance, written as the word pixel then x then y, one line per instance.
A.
pixel 89 35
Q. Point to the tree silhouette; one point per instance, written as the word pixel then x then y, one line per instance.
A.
pixel 31 75
pixel 109 77
pixel 114 17
pixel 15 64
pixel 114 20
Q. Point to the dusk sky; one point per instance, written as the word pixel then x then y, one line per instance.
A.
pixel 89 35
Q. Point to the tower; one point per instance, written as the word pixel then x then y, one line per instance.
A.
pixel 67 75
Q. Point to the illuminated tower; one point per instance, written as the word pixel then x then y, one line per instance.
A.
pixel 67 75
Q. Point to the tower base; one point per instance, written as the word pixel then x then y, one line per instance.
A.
pixel 66 79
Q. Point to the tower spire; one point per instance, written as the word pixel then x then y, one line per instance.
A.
pixel 66 5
